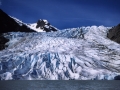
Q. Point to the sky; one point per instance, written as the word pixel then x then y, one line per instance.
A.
pixel 65 13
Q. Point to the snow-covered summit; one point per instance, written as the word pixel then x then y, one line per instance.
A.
pixel 83 53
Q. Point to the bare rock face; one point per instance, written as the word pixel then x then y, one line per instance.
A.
pixel 114 34
pixel 117 77
pixel 3 40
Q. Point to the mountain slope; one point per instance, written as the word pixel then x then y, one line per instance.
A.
pixel 12 24
pixel 8 24
pixel 83 53
pixel 114 33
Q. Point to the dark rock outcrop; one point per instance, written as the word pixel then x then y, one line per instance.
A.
pixel 117 77
pixel 114 33
pixel 3 40
pixel 40 24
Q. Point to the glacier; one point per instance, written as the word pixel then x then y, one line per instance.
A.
pixel 83 53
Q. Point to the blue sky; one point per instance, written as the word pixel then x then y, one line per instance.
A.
pixel 65 13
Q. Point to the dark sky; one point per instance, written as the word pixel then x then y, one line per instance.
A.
pixel 65 13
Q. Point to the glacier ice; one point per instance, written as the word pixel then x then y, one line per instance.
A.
pixel 61 55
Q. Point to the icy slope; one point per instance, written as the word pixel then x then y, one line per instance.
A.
pixel 61 55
